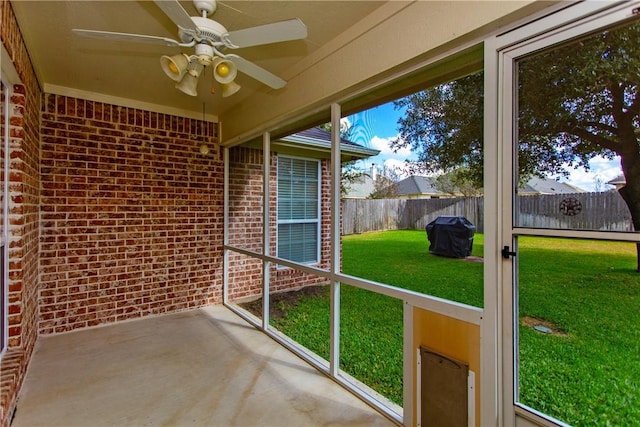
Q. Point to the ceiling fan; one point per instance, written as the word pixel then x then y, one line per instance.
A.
pixel 210 40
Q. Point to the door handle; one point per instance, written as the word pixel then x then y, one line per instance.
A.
pixel 506 253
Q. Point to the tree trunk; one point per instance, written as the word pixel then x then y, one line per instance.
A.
pixel 631 195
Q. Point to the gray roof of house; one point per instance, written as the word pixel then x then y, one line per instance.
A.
pixel 537 185
pixel 320 138
pixel 620 179
pixel 417 185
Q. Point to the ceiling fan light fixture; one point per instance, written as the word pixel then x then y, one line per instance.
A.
pixel 175 66
pixel 229 89
pixel 205 52
pixel 224 70
pixel 189 83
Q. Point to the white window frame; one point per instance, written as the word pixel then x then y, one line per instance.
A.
pixel 316 221
pixel 4 279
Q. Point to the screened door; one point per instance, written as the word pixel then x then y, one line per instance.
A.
pixel 571 246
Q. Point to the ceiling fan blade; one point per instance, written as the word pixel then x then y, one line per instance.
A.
pixel 258 73
pixel 126 37
pixel 293 29
pixel 176 13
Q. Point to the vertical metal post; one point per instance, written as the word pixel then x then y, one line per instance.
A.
pixel 408 366
pixel 491 357
pixel 266 241
pixel 225 232
pixel 336 174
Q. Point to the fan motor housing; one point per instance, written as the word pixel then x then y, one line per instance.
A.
pixel 208 30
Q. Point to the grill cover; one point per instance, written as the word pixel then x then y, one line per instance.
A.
pixel 451 236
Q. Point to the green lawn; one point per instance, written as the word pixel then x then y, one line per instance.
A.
pixel 585 373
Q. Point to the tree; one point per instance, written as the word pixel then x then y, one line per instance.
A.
pixel 443 125
pixel 351 174
pixel 383 188
pixel 574 102
pixel 457 182
pixel 385 184
pixel 598 184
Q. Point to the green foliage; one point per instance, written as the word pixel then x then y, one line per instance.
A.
pixel 458 181
pixel 443 126
pixel 574 102
pixel 580 100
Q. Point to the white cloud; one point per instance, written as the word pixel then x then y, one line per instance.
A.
pixel 398 167
pixel 345 124
pixel 600 170
pixel 382 144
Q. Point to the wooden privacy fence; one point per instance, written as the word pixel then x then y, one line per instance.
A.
pixel 581 211
pixel 362 215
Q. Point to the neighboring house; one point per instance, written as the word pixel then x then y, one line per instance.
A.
pixel 619 181
pixel 423 187
pixel 413 187
pixel 360 188
pixel 418 187
pixel 537 186
pixel 363 186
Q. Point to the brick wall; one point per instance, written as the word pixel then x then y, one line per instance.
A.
pixel 245 221
pixel 132 217
pixel 23 214
pixel 245 226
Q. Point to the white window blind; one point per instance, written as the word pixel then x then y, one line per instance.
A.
pixel 298 209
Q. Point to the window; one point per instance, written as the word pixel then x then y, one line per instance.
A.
pixel 298 209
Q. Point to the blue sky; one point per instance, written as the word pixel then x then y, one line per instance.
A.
pixel 374 128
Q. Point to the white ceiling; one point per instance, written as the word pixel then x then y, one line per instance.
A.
pixel 117 71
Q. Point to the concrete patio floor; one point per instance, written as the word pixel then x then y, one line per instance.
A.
pixel 205 367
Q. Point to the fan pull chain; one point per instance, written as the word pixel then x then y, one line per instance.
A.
pixel 204 148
